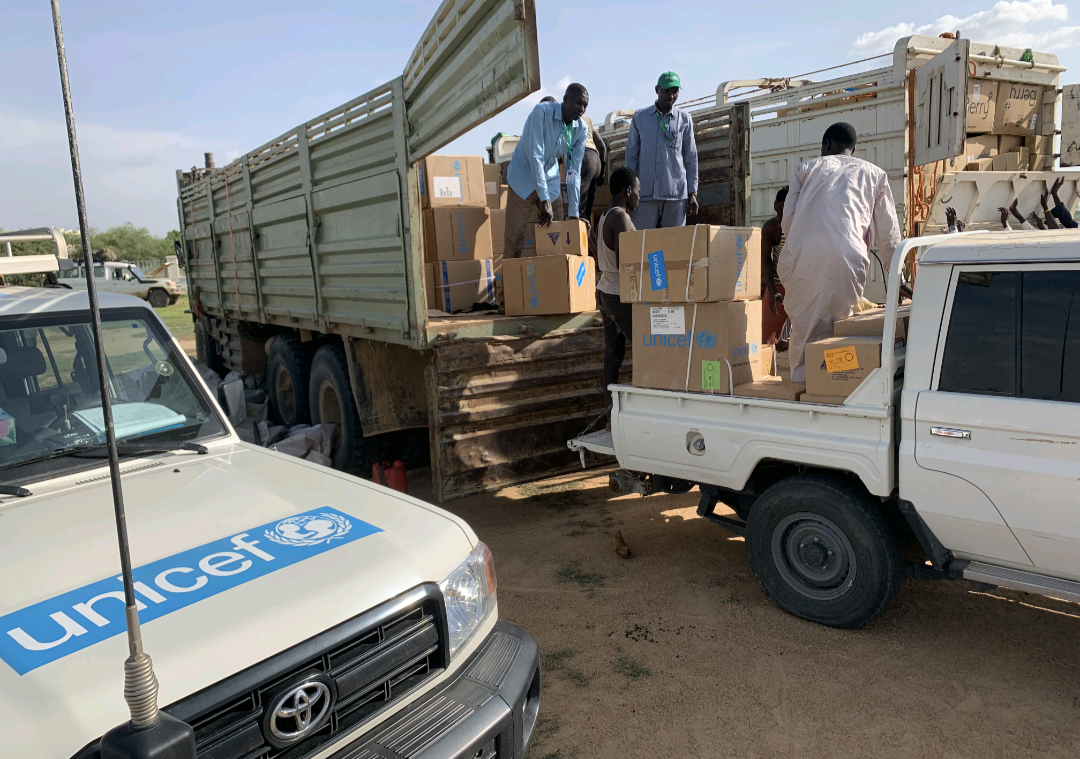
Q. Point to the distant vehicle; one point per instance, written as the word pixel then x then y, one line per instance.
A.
pixel 127 279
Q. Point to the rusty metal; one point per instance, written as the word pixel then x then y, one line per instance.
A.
pixel 501 409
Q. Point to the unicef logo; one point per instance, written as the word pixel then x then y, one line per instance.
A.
pixel 705 339
pixel 753 347
pixel 309 530
pixel 738 242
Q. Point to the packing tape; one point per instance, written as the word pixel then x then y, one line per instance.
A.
pixel 641 271
pixel 690 355
pixel 690 265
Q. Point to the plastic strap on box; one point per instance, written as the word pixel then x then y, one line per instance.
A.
pixel 690 264
pixel 690 354
pixel 641 270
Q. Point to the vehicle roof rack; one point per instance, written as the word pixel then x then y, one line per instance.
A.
pixel 43 264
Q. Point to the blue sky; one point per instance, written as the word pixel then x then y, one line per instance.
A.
pixel 157 83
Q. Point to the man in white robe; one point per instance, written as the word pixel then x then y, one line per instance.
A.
pixel 838 207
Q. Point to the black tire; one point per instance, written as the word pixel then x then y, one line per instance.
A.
pixel 411 447
pixel 803 520
pixel 288 364
pixel 158 298
pixel 331 400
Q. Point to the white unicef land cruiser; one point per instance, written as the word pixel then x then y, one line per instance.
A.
pixel 292 610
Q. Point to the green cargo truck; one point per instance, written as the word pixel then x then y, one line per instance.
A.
pixel 305 260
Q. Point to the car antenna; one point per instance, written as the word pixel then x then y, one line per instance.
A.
pixel 150 733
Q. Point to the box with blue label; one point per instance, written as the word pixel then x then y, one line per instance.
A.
pixel 695 264
pixel 452 180
pixel 457 234
pixel 549 285
pixel 454 286
pixel 698 347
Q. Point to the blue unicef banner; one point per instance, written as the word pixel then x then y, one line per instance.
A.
pixel 49 630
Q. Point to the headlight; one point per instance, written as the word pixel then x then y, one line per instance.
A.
pixel 469 594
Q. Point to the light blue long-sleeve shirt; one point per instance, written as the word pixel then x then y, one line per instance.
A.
pixel 534 165
pixel 667 164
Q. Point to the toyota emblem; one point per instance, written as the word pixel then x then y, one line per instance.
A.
pixel 299 711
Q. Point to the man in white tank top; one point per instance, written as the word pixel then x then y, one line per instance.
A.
pixel 625 194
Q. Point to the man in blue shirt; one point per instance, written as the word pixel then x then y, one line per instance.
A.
pixel 552 130
pixel 661 149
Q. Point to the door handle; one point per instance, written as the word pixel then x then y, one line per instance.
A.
pixel 950 432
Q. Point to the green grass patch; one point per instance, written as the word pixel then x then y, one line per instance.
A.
pixel 629 668
pixel 178 322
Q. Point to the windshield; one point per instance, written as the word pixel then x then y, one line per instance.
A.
pixel 137 271
pixel 49 397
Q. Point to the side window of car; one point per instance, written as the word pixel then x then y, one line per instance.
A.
pixel 1050 336
pixel 1015 334
pixel 980 349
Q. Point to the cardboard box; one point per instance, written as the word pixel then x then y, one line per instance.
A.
pixel 773 388
pixel 452 180
pixel 497 221
pixel 497 199
pixel 1009 142
pixel 602 197
pixel 457 234
pixel 562 238
pixel 549 285
pixel 1042 163
pixel 979 164
pixel 835 400
pixel 722 263
pixel 1018 108
pixel 456 285
pixel 850 359
pixel 688 346
pixel 985 146
pixel 1006 162
pixel 492 174
pixel 872 324
pixel 982 95
pixel 1040 144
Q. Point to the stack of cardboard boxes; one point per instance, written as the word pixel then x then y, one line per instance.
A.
pixel 696 309
pixel 554 276
pixel 1003 128
pixel 837 365
pixel 459 269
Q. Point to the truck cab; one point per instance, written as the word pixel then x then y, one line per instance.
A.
pixel 962 444
pixel 292 610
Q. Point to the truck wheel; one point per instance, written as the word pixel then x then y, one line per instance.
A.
pixel 331 400
pixel 287 367
pixel 158 298
pixel 822 551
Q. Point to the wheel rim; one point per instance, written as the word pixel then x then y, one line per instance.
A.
pixel 814 556
pixel 330 411
pixel 286 396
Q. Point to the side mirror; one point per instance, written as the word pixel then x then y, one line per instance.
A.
pixel 181 259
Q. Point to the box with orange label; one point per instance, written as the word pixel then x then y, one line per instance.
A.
pixel 838 365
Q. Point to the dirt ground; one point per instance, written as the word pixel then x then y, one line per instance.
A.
pixel 677 652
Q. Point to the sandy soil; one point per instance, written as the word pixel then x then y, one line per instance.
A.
pixel 677 652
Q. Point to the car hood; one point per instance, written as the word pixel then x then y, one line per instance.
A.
pixel 59 547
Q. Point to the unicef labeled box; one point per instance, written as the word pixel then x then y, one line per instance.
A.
pixel 457 234
pixel 696 264
pixel 452 180
pixel 690 346
pixel 549 285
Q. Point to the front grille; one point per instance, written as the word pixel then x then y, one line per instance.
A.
pixel 374 660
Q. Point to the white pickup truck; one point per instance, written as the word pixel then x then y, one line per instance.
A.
pixel 291 610
pixel 127 279
pixel 968 439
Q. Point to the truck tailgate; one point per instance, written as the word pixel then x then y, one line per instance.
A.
pixel 661 432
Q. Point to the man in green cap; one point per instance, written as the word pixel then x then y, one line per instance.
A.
pixel 661 149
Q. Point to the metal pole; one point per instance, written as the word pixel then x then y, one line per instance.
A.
pixel 7 249
pixel 140 683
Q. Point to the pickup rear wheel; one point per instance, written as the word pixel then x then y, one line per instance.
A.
pixel 158 298
pixel 823 551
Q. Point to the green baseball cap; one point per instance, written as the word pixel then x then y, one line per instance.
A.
pixel 668 80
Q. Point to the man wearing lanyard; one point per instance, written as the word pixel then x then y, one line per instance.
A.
pixel 551 131
pixel 661 149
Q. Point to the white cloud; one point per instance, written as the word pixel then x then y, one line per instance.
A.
pixel 128 175
pixel 562 84
pixel 1014 23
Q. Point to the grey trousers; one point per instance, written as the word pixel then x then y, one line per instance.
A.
pixel 653 214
